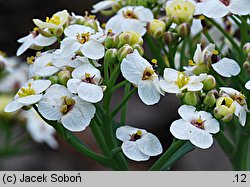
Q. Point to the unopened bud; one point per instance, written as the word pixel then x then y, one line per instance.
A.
pixel 167 21
pixel 191 98
pixel 130 38
pixel 111 56
pixel 201 68
pixel 139 48
pixel 63 77
pixel 210 100
pixel 246 65
pixel 183 30
pixel 246 48
pixel 124 51
pixel 111 41
pixel 156 28
pixel 209 83
pixel 224 109
pixel 58 32
pixel 53 79
pixel 169 37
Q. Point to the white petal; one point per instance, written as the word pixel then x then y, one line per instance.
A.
pixel 13 106
pixel 194 87
pixel 227 67
pixel 170 74
pixel 211 125
pixel 180 129
pixel 47 71
pixel 201 138
pixel 114 24
pixel 40 40
pixel 239 7
pixel 242 117
pixel 124 133
pixel 29 100
pixel 247 85
pixel 149 145
pixel 134 25
pixel 198 55
pixel 73 84
pixel 26 45
pixel 90 92
pixel 69 46
pixel 230 91
pixel 214 9
pixel 102 6
pixel 93 50
pixel 131 150
pixel 148 92
pixel 169 87
pixel 143 14
pixel 40 85
pixel 187 112
pixel 44 25
pixel 73 30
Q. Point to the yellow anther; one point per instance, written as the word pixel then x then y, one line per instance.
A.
pixel 201 17
pixel 139 133
pixel 182 79
pixel 69 101
pixel 55 20
pixel 87 75
pixel 215 52
pixel 110 31
pixel 148 72
pixel 103 25
pixel 191 63
pixel 185 8
pixel 199 120
pixel 30 60
pixel 26 91
pixel 154 61
pixel 178 7
pixel 64 109
pixel 83 38
pixel 35 29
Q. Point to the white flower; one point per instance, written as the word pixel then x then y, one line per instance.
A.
pixel 39 130
pixel 58 104
pixel 176 81
pixel 86 83
pixel 195 126
pixel 138 144
pixel 103 5
pixel 140 72
pixel 9 62
pixel 82 38
pixel 55 22
pixel 247 85
pixel 240 103
pixel 28 94
pixel 130 18
pixel 34 40
pixel 220 8
pixel 43 65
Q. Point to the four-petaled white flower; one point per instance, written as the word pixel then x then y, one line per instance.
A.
pixel 86 83
pixel 28 94
pixel 220 8
pixel 138 144
pixel 140 72
pixel 58 104
pixel 130 18
pixel 85 39
pixel 240 103
pixel 103 5
pixel 175 81
pixel 197 127
pixel 39 130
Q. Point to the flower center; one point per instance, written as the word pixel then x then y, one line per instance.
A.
pixel 55 20
pixel 240 99
pixel 130 14
pixel 88 78
pixel 182 79
pixel 227 101
pixel 199 123
pixel 136 136
pixel 68 104
pixel 83 38
pixel 148 72
pixel 225 2
pixel 30 60
pixel 26 91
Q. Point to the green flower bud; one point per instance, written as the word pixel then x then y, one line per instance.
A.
pixel 183 30
pixel 246 65
pixel 156 28
pixel 209 83
pixel 130 38
pixel 191 98
pixel 170 37
pixel 246 48
pixel 111 56
pixel 209 100
pixel 167 21
pixel 139 48
pixel 224 109
pixel 63 77
pixel 201 68
pixel 58 32
pixel 111 41
pixel 53 79
pixel 124 51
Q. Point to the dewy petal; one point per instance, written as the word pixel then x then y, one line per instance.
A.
pixel 40 85
pixel 187 112
pixel 13 106
pixel 239 7
pixel 73 84
pixel 42 41
pixel 180 129
pixel 26 45
pixel 29 100
pixel 148 92
pixel 124 133
pixel 227 67
pixel 93 50
pixel 247 85
pixel 131 150
pixel 214 9
pixel 201 138
pixel 149 145
pixel 73 30
pixel 102 5
pixel 90 92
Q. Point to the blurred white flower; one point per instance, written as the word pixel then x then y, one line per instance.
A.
pixel 29 94
pixel 86 83
pixel 85 39
pixel 138 144
pixel 220 8
pixel 130 18
pixel 39 130
pixel 58 104
pixel 103 5
pixel 247 85
pixel 175 81
pixel 140 72
pixel 195 126
pixel 240 103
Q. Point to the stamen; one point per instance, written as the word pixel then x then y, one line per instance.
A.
pixel 83 38
pixel 26 91
pixel 148 72
pixel 182 79
pixel 55 20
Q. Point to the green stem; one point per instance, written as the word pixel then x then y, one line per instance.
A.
pixel 210 39
pixel 124 109
pixel 119 85
pixel 177 150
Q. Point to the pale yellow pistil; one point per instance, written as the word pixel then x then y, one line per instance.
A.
pixel 148 74
pixel 83 38
pixel 182 79
pixel 68 104
pixel 55 20
pixel 26 91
